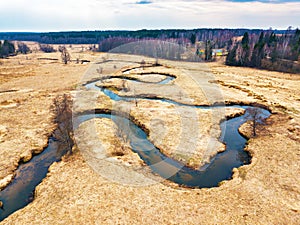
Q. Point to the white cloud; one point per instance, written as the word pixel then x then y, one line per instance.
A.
pixel 34 15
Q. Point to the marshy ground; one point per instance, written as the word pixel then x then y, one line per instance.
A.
pixel 265 192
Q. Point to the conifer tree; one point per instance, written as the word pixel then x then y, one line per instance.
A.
pixel 245 50
pixel 7 49
pixel 208 51
pixel 258 52
pixel 231 57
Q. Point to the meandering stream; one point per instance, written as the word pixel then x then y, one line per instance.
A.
pixel 21 191
pixel 210 175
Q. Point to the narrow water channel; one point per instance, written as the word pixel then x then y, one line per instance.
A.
pixel 21 191
pixel 219 169
pixel 210 175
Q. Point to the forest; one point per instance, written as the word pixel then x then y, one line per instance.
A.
pixel 94 37
pixel 6 49
pixel 277 50
pixel 267 51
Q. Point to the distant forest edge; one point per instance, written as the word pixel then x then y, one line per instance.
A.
pixel 94 37
pixel 277 50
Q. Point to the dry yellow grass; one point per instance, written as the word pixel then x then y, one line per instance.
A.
pixel 265 192
pixel 27 88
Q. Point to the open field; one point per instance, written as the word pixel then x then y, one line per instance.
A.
pixel 27 88
pixel 265 192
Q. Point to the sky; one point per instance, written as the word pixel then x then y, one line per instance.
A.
pixel 73 15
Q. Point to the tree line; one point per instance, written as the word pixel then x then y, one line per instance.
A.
pixel 220 36
pixel 7 48
pixel 268 50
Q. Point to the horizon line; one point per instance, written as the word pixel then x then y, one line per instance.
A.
pixel 148 29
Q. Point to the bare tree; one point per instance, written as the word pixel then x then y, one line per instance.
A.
pixel 121 134
pixel 135 99
pixel 23 48
pixel 65 55
pixel 100 70
pixel 124 86
pixel 124 141
pixel 47 48
pixel 254 115
pixel 143 64
pixel 62 108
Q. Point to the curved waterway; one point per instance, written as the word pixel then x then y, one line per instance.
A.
pixel 20 192
pixel 219 169
pixel 28 175
pixel 167 79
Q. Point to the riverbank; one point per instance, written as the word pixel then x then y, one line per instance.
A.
pixel 27 88
pixel 76 194
pixel 185 133
pixel 265 192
